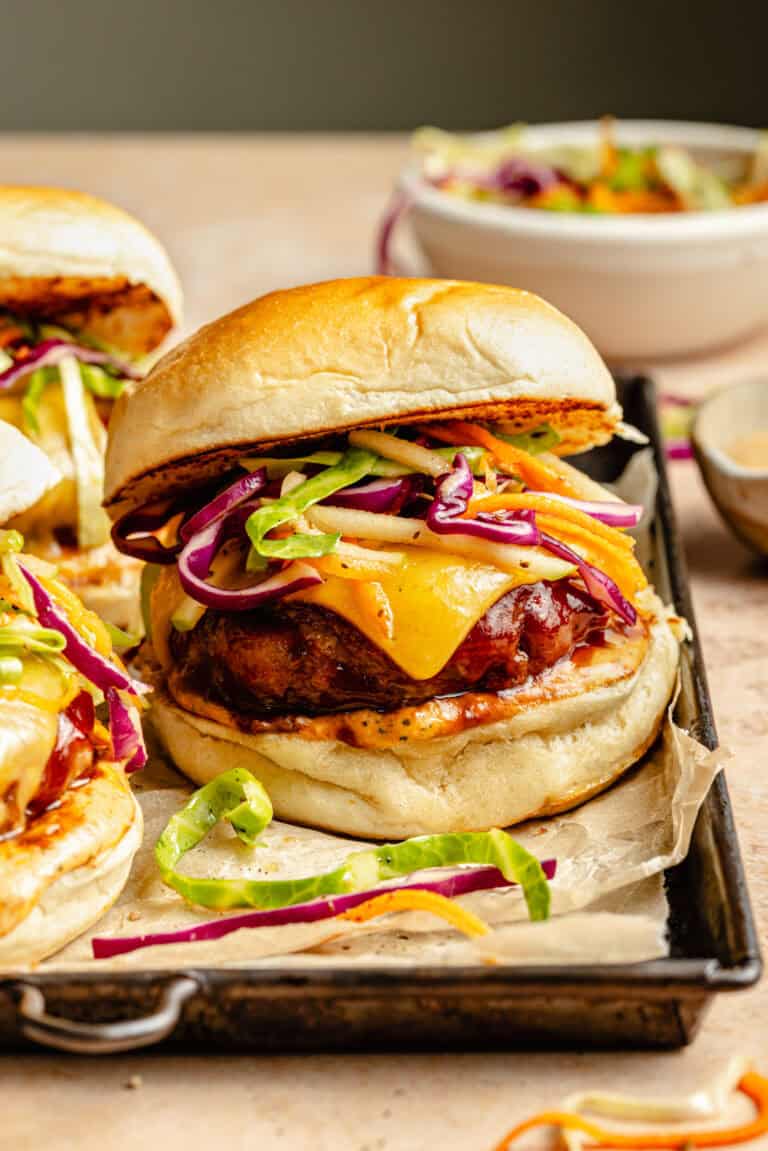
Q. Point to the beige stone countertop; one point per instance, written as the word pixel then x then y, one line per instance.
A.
pixel 241 215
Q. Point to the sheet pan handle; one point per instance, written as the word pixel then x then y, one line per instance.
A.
pixel 102 1038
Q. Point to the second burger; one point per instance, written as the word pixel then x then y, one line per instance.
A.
pixel 86 292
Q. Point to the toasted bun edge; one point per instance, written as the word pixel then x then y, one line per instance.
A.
pixel 72 257
pixel 324 358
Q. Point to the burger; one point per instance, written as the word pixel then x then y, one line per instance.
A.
pixel 69 735
pixel 375 581
pixel 85 294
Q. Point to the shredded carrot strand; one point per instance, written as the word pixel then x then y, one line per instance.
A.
pixel 446 433
pixel 754 1086
pixel 8 335
pixel 535 473
pixel 416 900
pixel 618 564
pixel 603 545
pixel 101 734
pixel 648 201
pixel 609 155
pixel 751 193
pixel 558 194
pixel 608 548
pixel 605 199
pixel 540 503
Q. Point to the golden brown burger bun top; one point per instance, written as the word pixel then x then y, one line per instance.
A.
pixel 328 357
pixel 79 261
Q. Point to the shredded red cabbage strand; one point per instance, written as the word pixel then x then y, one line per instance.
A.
pixel 376 496
pixel 242 489
pixel 597 583
pixel 195 566
pixel 614 513
pixel 127 738
pixel 90 663
pixel 50 352
pixel 460 883
pixel 453 492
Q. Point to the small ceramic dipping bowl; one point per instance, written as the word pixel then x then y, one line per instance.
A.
pixel 728 424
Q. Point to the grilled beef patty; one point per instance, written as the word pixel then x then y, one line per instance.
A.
pixel 298 658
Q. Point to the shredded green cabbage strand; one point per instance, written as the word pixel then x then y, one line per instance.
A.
pixel 238 798
pixel 540 439
pixel 354 464
pixel 280 466
pixel 11 543
pixel 85 431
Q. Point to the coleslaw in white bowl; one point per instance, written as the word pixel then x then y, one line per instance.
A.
pixel 641 285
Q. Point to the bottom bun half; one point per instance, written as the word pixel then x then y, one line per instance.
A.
pixel 60 875
pixel 545 759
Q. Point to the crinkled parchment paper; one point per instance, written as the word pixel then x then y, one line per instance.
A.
pixel 607 897
pixel 608 901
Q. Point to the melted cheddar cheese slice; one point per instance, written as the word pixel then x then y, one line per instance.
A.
pixel 436 600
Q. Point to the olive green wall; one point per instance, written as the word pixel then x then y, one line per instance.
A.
pixel 356 64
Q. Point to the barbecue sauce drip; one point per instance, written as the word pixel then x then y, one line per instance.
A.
pixel 73 753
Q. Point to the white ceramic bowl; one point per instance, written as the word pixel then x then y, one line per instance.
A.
pixel 641 286
pixel 740 494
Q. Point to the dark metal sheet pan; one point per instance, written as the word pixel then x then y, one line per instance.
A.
pixel 658 1004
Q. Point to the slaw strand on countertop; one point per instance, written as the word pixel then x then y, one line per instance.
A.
pixel 754 1086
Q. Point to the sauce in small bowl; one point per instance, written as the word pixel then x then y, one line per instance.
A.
pixel 730 442
pixel 750 450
